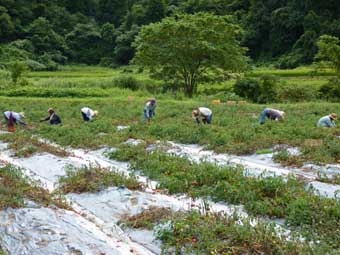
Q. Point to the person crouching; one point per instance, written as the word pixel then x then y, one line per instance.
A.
pixel 149 109
pixel 53 118
pixel 202 113
pixel 271 114
pixel 88 114
pixel 327 121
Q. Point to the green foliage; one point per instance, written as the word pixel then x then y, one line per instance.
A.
pixel 94 179
pixel 329 51
pixel 15 190
pixel 289 61
pixel 17 69
pixel 191 45
pixel 263 90
pixel 266 196
pixel 331 90
pixel 128 82
pixel 296 93
pixel 195 233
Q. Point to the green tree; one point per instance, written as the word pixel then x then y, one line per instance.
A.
pixel 6 25
pixel 84 43
pixel 187 47
pixel 329 51
pixel 17 69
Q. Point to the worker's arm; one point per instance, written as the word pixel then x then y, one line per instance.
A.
pixel 46 119
pixel 21 122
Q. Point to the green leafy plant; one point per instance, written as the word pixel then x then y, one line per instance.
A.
pixel 94 179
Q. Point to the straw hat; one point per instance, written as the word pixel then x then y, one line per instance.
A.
pixel 95 113
pixel 333 116
pixel 195 113
pixel 50 110
pixel 22 114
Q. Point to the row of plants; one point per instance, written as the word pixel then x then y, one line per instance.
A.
pixel 318 217
pixel 94 179
pixel 25 145
pixel 210 233
pixel 16 190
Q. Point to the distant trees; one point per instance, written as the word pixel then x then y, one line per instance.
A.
pixel 284 32
pixel 329 51
pixel 187 47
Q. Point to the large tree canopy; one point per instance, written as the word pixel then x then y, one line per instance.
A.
pixel 187 47
pixel 329 51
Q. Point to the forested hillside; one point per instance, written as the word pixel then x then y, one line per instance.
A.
pixel 49 32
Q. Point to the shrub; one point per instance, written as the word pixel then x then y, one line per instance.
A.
pixel 331 90
pixel 289 61
pixel 128 82
pixel 35 66
pixel 294 93
pixel 17 69
pixel 258 91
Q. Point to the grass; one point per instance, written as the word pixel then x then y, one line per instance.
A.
pixel 95 179
pixel 15 190
pixel 287 198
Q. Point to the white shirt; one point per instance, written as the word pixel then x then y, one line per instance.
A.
pixel 15 115
pixel 205 111
pixel 88 112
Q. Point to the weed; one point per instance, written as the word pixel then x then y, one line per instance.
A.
pixel 286 159
pixel 148 218
pixel 15 189
pixel 94 179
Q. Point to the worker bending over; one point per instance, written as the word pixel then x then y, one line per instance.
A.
pixel 53 118
pixel 14 118
pixel 327 121
pixel 88 114
pixel 202 113
pixel 149 109
pixel 271 114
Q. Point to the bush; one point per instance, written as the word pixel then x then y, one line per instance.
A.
pixel 290 61
pixel 128 82
pixel 35 66
pixel 294 93
pixel 331 90
pixel 17 69
pixel 258 91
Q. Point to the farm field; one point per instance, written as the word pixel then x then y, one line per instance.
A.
pixel 152 184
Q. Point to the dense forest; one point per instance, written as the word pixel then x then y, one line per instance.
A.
pixel 46 33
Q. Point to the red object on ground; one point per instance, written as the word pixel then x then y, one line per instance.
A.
pixel 11 127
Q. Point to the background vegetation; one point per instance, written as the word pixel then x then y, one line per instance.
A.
pixel 47 33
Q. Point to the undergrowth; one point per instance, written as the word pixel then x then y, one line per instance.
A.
pixel 15 190
pixel 94 179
